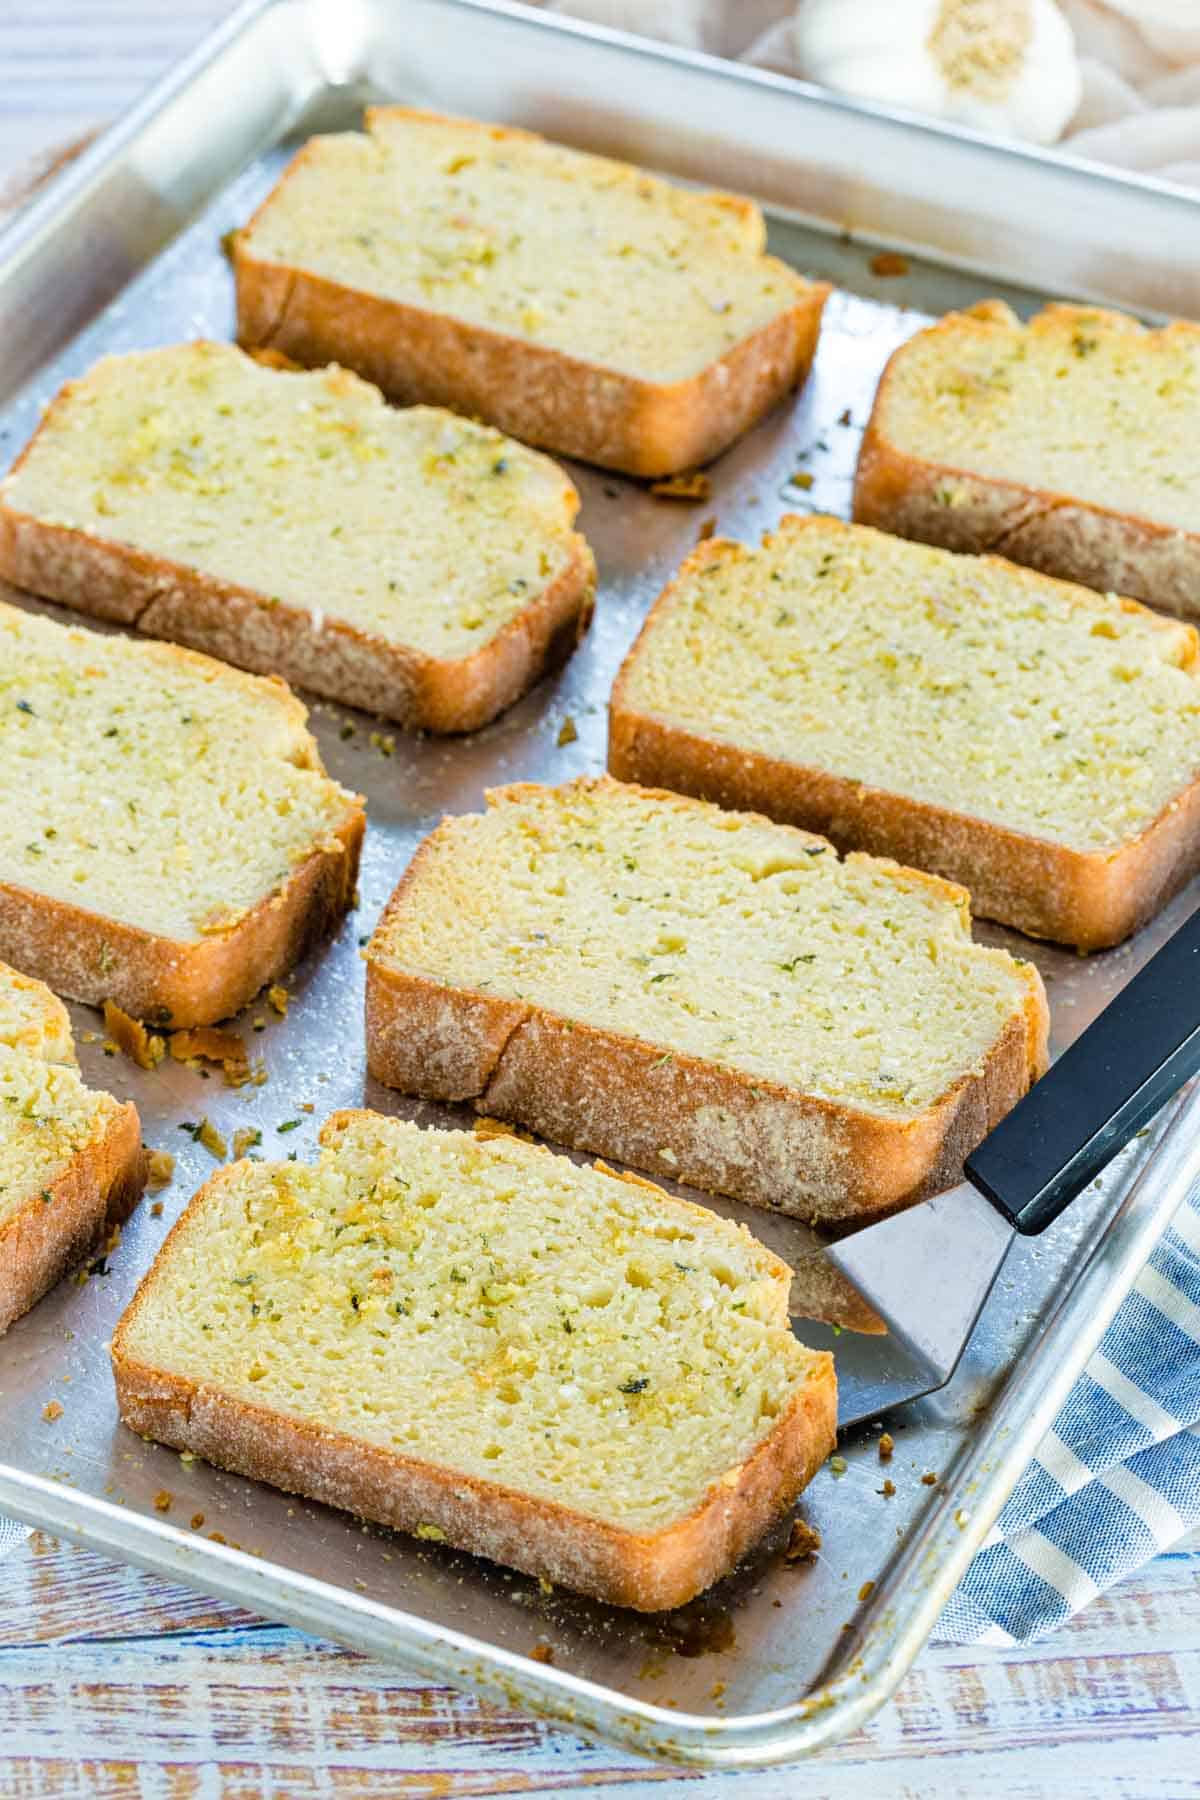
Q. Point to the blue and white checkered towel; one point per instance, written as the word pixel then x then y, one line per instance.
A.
pixel 1118 1478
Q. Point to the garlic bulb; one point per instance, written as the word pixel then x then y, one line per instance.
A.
pixel 1006 66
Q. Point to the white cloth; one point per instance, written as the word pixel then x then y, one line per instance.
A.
pixel 1140 61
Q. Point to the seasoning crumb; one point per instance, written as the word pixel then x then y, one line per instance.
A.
pixel 889 262
pixel 206 1043
pixel 929 1479
pixel 162 1500
pixel 887 1490
pixel 383 742
pixel 245 1139
pixel 52 1410
pixel 208 1135
pixel 567 732
pixel 160 1167
pixel 837 1466
pixel 961 1518
pixel 277 999
pixel 866 1590
pixel 707 528
pixel 486 1127
pixel 544 1586
pixel 803 1543
pixel 716 1690
pixel 130 1036
pixel 542 1653
pixel 803 479
pixel 196 1521
pixel 156 1211
pixel 844 418
pixel 695 485
pixel 887 1445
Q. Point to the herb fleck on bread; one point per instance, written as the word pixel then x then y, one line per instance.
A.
pixel 1069 444
pixel 71 1161
pixel 412 563
pixel 1036 741
pixel 703 994
pixel 583 305
pixel 168 837
pixel 476 1341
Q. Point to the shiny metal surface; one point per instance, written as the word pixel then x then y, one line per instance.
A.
pixel 781 1658
pixel 927 1273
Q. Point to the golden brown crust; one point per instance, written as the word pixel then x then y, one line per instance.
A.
pixel 98 1189
pixel 723 1130
pixel 649 1571
pixel 255 631
pixel 90 958
pixel 47 1033
pixel 1058 534
pixel 1090 899
pixel 820 1291
pixel 542 396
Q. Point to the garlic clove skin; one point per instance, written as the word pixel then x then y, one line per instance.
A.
pixel 1002 66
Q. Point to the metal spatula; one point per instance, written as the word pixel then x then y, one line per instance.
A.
pixel 928 1271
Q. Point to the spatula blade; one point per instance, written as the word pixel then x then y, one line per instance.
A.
pixel 927 1272
pixel 874 1374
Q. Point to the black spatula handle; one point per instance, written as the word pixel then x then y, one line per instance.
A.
pixel 1128 1063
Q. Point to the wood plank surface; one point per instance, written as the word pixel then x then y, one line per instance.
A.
pixel 116 1683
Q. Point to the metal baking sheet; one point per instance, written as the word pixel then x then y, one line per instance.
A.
pixel 779 1659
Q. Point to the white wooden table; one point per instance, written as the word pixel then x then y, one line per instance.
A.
pixel 115 1684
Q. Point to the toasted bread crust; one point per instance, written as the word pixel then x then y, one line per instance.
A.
pixel 648 1571
pixel 820 1291
pixel 1058 534
pixel 542 396
pixel 168 600
pixel 93 959
pixel 87 956
pixel 1087 899
pixel 725 1131
pixel 48 1033
pixel 98 1189
pixel 258 632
